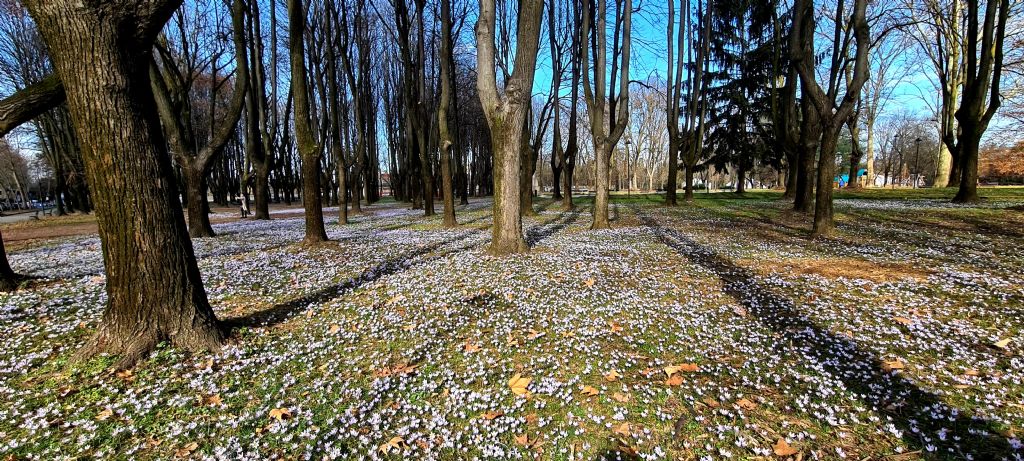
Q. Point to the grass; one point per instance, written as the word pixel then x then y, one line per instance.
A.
pixel 789 336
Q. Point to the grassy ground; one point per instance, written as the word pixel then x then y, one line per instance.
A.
pixel 714 330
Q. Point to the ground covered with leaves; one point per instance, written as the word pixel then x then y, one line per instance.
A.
pixel 714 330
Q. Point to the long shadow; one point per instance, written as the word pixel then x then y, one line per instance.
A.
pixel 539 233
pixel 916 412
pixel 281 312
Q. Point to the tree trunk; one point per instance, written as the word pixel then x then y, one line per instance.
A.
pixel 673 171
pixel 567 174
pixel 603 158
pixel 968 191
pixel 154 288
pixel 304 138
pixel 198 207
pixel 688 187
pixel 823 225
pixel 8 279
pixel 507 231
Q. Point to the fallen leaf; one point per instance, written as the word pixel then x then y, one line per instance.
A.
pixel 621 398
pixel 212 400
pixel 531 418
pixel 281 414
pixel 589 283
pixel 334 328
pixel 395 443
pixel 1002 344
pixel 524 440
pixel 614 327
pixel 971 372
pixel 711 402
pixel 186 450
pixel 746 404
pixel 622 429
pixel 590 391
pixel 534 334
pixel 781 448
pixel 902 320
pixel 471 347
pixel 684 367
pixel 490 415
pixel 890 365
pixel 675 380
pixel 519 384
pixel 124 374
pixel 105 414
pixel 612 376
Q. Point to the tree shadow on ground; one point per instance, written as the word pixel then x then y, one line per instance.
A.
pixel 919 414
pixel 284 311
pixel 543 231
pixel 281 312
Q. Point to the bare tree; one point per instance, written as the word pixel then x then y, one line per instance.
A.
pixel 309 148
pixel 608 109
pixel 506 114
pixel 832 116
pixel 154 288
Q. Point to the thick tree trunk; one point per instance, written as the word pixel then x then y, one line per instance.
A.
pixel 943 166
pixel 261 190
pixel 198 207
pixel 526 176
pixel 688 186
pixel 154 288
pixel 8 278
pixel 968 191
pixel 804 181
pixel 304 138
pixel 673 171
pixel 567 174
pixel 823 225
pixel 792 158
pixel 507 231
pixel 603 157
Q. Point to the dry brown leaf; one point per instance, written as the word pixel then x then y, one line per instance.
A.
pixel 471 347
pixel 186 450
pixel 589 283
pixel 525 441
pixel 781 448
pixel 622 429
pixel 711 402
pixel 902 320
pixel 281 414
pixel 395 443
pixel 490 415
pixel 519 384
pixel 532 418
pixel 683 367
pixel 1002 344
pixel 334 328
pixel 612 376
pixel 534 334
pixel 211 400
pixel 674 380
pixel 614 327
pixel 890 365
pixel 590 391
pixel 105 414
pixel 619 397
pixel 746 404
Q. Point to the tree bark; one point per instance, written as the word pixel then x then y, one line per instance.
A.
pixel 444 136
pixel 505 115
pixel 154 288
pixel 307 145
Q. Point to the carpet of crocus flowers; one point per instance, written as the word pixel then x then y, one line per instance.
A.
pixel 712 330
